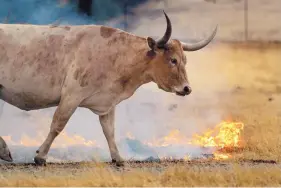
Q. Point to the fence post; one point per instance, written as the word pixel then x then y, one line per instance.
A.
pixel 246 19
pixel 166 4
pixel 125 15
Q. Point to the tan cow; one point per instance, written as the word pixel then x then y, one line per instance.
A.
pixel 90 66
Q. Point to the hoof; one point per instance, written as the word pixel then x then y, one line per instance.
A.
pixel 118 163
pixel 7 157
pixel 39 161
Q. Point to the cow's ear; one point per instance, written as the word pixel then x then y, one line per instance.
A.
pixel 151 43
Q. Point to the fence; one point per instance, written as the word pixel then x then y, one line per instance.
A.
pixel 237 19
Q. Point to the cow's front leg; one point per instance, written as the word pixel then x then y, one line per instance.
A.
pixel 62 114
pixel 107 123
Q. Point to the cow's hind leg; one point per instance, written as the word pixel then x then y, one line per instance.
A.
pixel 107 123
pixel 65 109
pixel 5 153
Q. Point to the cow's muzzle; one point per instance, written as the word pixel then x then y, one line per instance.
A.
pixel 186 91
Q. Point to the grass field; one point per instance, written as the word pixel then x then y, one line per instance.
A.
pixel 246 79
pixel 251 92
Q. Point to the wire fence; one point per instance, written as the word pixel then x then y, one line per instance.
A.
pixel 239 19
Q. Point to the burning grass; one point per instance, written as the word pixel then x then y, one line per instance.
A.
pixel 225 137
pixel 247 80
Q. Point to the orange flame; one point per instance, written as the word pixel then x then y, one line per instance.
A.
pixel 62 141
pixel 174 137
pixel 130 136
pixel 227 136
pixel 221 156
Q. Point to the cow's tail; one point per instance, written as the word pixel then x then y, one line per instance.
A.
pixel 5 153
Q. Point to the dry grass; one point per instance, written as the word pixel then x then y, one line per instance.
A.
pixel 250 78
pixel 253 78
pixel 246 77
pixel 174 176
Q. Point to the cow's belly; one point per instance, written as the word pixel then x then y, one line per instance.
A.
pixel 29 98
pixel 100 104
pixel 103 102
pixel 30 88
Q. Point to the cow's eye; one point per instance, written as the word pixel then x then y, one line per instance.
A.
pixel 174 61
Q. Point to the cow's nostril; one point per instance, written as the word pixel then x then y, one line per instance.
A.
pixel 187 89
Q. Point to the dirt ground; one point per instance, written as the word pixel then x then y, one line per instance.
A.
pixel 246 77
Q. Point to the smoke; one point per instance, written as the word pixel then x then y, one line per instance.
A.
pixel 66 11
pixel 150 114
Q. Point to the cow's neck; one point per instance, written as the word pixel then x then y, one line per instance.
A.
pixel 136 72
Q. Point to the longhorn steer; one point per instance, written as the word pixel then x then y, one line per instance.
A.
pixel 90 66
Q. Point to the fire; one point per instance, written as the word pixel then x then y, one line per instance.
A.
pixel 219 156
pixel 224 135
pixel 174 137
pixel 186 158
pixel 62 141
pixel 130 136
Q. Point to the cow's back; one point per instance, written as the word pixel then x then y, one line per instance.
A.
pixel 35 61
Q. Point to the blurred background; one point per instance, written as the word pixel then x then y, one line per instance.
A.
pixel 150 114
pixel 238 19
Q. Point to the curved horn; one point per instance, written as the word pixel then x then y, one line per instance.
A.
pixel 161 42
pixel 200 44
